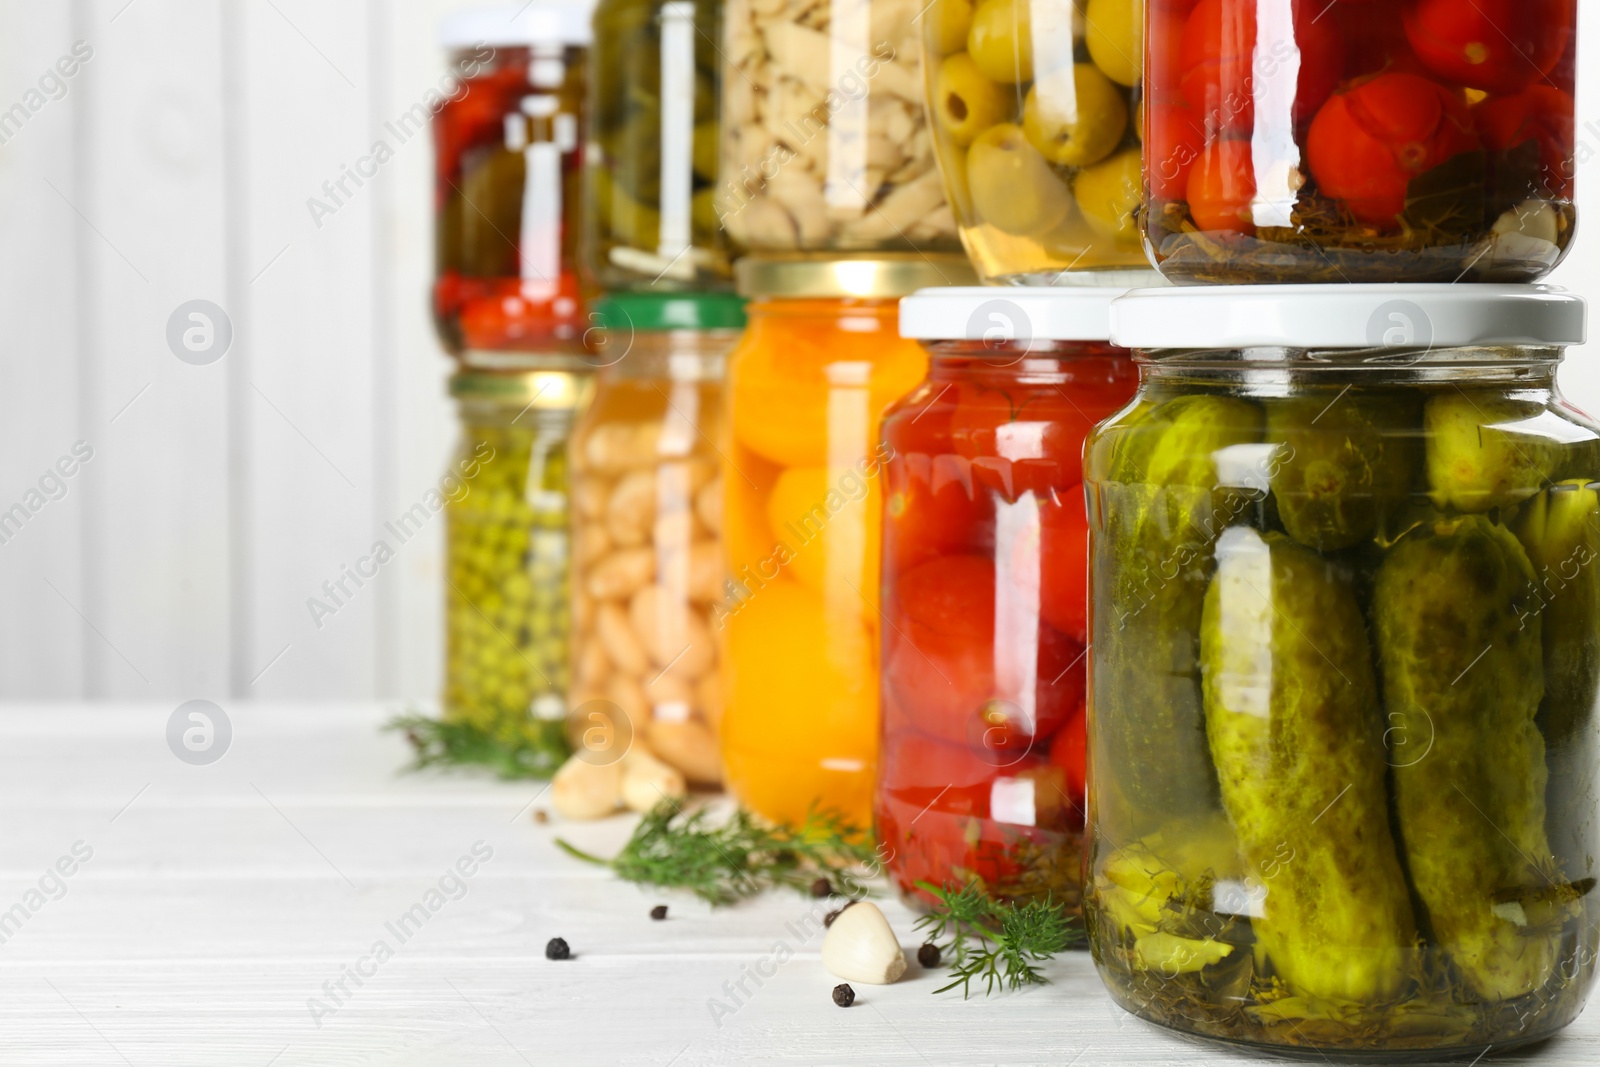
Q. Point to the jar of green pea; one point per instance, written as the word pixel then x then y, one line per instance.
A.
pixel 506 580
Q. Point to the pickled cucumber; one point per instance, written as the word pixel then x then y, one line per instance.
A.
pixel 1347 462
pixel 1477 457
pixel 1560 529
pixel 1161 510
pixel 1460 655
pixel 1296 734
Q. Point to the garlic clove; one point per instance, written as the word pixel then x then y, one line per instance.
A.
pixel 646 781
pixel 583 790
pixel 860 946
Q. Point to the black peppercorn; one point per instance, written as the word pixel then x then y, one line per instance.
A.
pixel 843 995
pixel 928 954
pixel 658 912
pixel 821 888
pixel 539 816
pixel 556 949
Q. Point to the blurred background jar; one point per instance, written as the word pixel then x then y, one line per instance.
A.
pixel 506 586
pixel 985 559
pixel 802 481
pixel 1034 108
pixel 654 92
pixel 647 558
pixel 1345 669
pixel 507 174
pixel 825 141
pixel 1347 142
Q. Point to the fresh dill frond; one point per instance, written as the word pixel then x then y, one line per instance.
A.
pixel 726 862
pixel 992 940
pixel 534 749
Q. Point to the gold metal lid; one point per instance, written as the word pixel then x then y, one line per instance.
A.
pixel 886 276
pixel 539 389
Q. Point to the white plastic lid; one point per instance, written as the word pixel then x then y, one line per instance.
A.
pixel 564 22
pixel 1007 315
pixel 1347 316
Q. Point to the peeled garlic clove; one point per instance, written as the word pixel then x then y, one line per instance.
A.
pixel 583 790
pixel 646 781
pixel 860 946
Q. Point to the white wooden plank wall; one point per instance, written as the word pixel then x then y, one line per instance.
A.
pixel 176 166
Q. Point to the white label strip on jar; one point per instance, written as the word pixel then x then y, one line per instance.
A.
pixel 677 134
pixel 849 27
pixel 540 237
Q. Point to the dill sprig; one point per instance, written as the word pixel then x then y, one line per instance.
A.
pixel 535 749
pixel 726 862
pixel 992 940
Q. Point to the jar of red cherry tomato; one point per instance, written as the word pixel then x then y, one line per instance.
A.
pixel 982 765
pixel 508 151
pixel 1359 141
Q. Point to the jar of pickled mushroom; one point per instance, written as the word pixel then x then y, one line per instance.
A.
pixel 1351 141
pixel 506 601
pixel 508 145
pixel 1035 109
pixel 650 220
pixel 647 558
pixel 825 142
pixel 1345 614
pixel 820 362
pixel 985 558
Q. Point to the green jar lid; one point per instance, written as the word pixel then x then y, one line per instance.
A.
pixel 671 311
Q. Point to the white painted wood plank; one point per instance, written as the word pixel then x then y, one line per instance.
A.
pixel 41 648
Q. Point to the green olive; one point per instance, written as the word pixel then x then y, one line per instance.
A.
pixel 703 211
pixel 965 101
pixel 1109 192
pixel 706 147
pixel 1114 33
pixel 1011 185
pixel 1078 123
pixel 1001 41
pixel 948 24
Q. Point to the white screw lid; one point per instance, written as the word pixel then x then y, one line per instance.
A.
pixel 1347 316
pixel 558 22
pixel 1005 315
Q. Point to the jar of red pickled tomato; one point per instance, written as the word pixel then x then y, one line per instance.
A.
pixel 820 361
pixel 508 149
pixel 1354 141
pixel 982 766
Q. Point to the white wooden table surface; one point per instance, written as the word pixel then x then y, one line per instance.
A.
pixel 217 900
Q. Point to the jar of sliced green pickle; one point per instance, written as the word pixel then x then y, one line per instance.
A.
pixel 1345 614
pixel 651 165
pixel 507 612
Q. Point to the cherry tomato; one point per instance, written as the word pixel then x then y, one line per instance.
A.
pixel 1064 564
pixel 1540 113
pixel 935 775
pixel 1370 141
pixel 1373 45
pixel 933 508
pixel 1174 138
pixel 1164 52
pixel 477 118
pixel 1498 46
pixel 1022 440
pixel 1221 186
pixel 1070 752
pixel 508 313
pixel 1222 70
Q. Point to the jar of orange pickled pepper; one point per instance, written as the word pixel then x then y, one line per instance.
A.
pixel 820 361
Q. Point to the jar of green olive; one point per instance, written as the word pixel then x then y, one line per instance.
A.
pixel 651 162
pixel 506 602
pixel 1345 669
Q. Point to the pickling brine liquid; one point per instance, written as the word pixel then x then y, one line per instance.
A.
pixel 1344 679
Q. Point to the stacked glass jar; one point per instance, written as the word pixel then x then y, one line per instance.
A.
pixel 1346 669
pixel 983 766
pixel 510 308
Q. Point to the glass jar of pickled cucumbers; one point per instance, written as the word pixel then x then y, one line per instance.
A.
pixel 1349 141
pixel 647 559
pixel 1034 109
pixel 985 555
pixel 802 503
pixel 650 219
pixel 508 144
pixel 506 601
pixel 1345 664
pixel 825 146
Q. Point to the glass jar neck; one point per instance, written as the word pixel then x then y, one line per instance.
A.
pixel 1266 371
pixel 673 355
